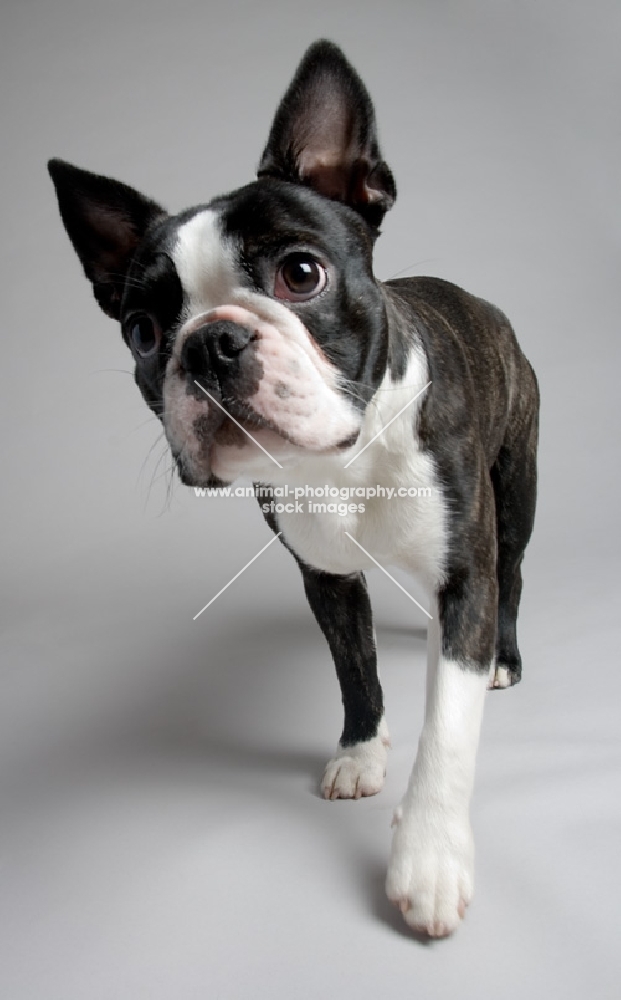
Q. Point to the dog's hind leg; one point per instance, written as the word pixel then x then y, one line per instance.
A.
pixel 514 477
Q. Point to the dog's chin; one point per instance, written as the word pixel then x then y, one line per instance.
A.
pixel 202 480
pixel 233 453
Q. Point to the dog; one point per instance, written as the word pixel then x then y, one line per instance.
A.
pixel 267 348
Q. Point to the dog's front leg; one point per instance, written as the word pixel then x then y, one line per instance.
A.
pixel 431 868
pixel 342 608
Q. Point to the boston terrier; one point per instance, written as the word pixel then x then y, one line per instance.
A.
pixel 268 349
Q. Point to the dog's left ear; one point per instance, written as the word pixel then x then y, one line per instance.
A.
pixel 324 136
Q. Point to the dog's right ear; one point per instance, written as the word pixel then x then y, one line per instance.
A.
pixel 105 220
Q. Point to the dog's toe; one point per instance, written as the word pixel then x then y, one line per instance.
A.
pixel 502 677
pixel 351 778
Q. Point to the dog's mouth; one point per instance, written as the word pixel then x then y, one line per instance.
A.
pixel 241 423
pixel 230 423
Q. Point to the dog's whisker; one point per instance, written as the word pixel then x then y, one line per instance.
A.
pixel 149 420
pixel 167 473
pixel 117 371
pixel 157 441
pixel 125 278
pixel 410 267
pixel 155 476
pixel 170 486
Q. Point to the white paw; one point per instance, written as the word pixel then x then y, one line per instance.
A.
pixel 431 869
pixel 357 770
pixel 500 677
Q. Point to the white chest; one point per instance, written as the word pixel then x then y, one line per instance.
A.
pixel 397 521
pixel 388 499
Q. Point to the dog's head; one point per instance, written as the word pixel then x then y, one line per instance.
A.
pixel 257 312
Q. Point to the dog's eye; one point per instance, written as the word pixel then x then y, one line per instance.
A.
pixel 144 335
pixel 299 277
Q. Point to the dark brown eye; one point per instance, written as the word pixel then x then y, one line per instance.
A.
pixel 299 277
pixel 144 335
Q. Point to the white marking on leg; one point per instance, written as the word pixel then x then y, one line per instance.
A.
pixel 357 770
pixel 431 868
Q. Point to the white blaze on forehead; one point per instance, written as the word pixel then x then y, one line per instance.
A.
pixel 205 262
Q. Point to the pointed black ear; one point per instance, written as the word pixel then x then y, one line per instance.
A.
pixel 105 221
pixel 324 136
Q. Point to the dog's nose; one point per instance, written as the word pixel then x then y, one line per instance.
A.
pixel 215 349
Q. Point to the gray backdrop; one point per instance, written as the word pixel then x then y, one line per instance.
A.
pixel 161 832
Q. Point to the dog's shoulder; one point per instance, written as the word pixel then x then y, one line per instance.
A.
pixel 438 301
pixel 474 360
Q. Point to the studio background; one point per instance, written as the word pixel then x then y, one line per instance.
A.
pixel 161 833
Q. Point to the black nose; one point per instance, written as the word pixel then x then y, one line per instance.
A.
pixel 215 349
